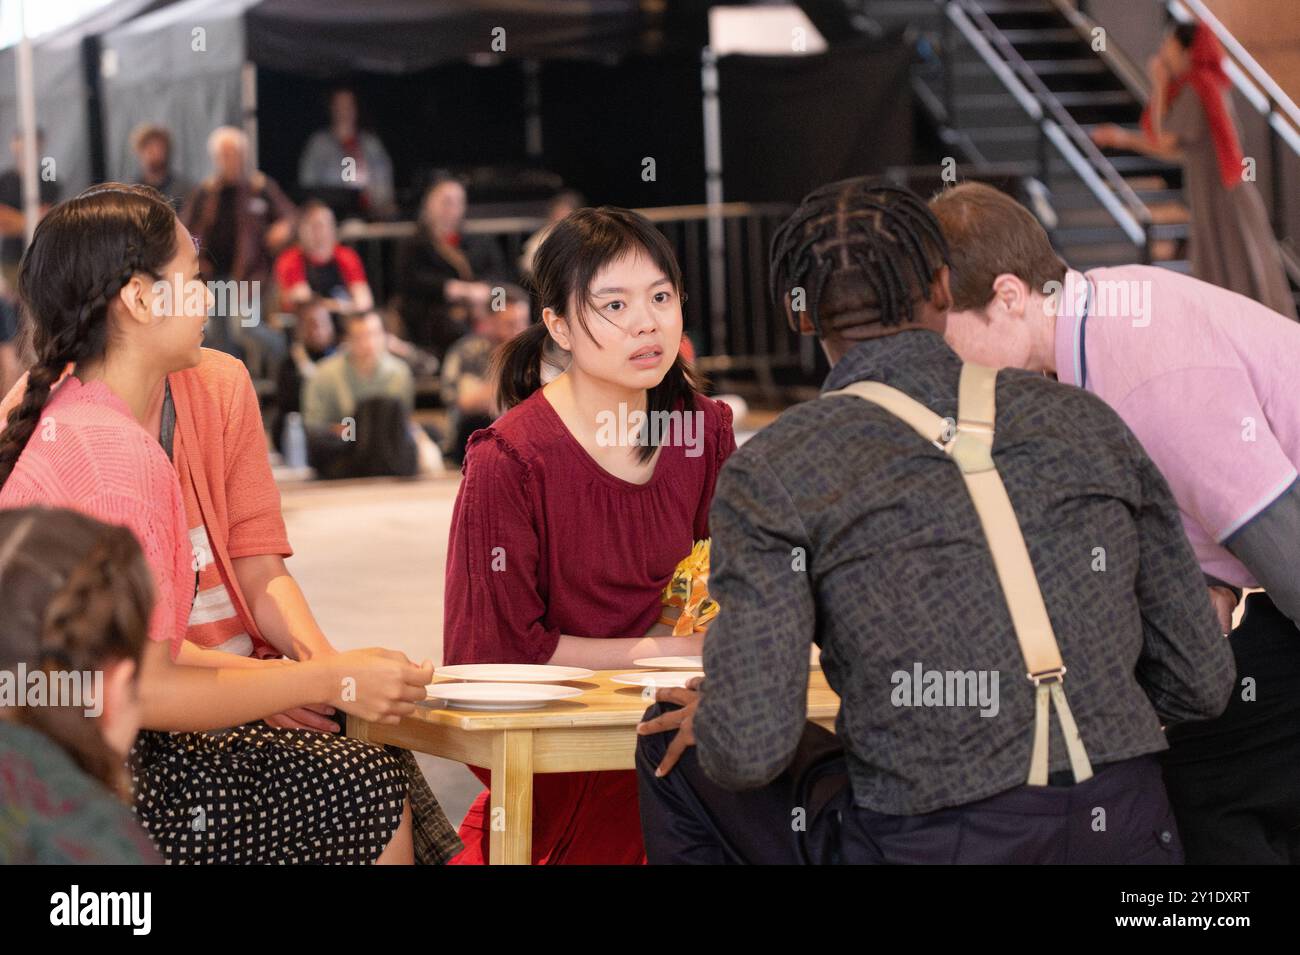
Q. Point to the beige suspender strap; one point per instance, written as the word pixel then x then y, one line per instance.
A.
pixel 912 412
pixel 972 450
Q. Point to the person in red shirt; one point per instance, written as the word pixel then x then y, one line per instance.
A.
pixel 318 266
pixel 570 518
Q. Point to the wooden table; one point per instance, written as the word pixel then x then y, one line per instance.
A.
pixel 595 731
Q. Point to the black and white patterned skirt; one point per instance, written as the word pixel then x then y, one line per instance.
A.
pixel 256 794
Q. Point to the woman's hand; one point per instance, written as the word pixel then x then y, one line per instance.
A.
pixel 1108 136
pixel 1158 71
pixel 311 717
pixel 377 685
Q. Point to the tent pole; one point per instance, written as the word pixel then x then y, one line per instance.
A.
pixel 27 124
pixel 718 344
pixel 533 105
pixel 248 111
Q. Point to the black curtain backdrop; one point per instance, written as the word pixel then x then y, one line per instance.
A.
pixel 790 124
pixel 601 121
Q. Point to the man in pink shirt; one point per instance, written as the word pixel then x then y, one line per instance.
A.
pixel 1206 379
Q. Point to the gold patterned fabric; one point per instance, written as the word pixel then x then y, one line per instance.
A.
pixel 688 592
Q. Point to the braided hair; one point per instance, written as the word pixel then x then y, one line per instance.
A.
pixel 75 595
pixel 862 252
pixel 82 254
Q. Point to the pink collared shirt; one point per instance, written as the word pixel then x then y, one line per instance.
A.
pixel 1206 379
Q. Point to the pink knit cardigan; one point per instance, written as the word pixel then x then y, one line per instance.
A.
pixel 89 454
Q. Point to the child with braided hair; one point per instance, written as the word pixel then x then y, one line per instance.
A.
pixel 110 285
pixel 75 598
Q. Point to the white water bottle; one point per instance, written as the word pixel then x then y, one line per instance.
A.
pixel 294 441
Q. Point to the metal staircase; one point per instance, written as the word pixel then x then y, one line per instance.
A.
pixel 1016 86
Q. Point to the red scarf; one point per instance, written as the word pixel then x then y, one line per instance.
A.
pixel 1209 80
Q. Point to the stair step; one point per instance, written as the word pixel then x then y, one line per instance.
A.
pixel 1074 98
pixel 1130 163
pixel 1042 35
pixel 992 7
pixel 1004 134
pixel 1046 67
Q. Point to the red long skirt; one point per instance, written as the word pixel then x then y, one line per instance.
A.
pixel 578 819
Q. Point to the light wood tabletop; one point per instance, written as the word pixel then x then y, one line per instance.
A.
pixel 591 732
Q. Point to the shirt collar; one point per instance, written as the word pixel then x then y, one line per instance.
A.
pixel 1073 304
pixel 889 358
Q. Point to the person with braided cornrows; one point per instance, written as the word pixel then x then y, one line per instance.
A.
pixel 932 527
pixel 110 285
pixel 75 598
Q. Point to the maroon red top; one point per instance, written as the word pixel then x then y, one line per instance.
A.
pixel 545 541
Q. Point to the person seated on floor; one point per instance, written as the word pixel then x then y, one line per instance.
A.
pixel 467 390
pixel 357 409
pixel 314 339
pixel 75 598
pixel 317 265
pixel 840 525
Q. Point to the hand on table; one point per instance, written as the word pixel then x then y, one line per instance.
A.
pixel 682 720
pixel 377 685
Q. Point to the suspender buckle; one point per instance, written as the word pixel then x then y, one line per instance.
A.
pixel 1054 675
pixel 973 453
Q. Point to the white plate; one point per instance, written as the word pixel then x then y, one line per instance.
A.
pixel 657 678
pixel 500 696
pixel 513 673
pixel 670 663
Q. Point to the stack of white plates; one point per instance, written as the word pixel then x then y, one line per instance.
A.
pixel 505 686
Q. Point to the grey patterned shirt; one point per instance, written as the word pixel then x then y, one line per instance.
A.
pixel 839 525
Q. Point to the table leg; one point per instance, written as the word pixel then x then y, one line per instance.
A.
pixel 511 818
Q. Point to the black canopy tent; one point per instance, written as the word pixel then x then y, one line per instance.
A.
pixel 196 64
pixel 62 64
pixel 407 36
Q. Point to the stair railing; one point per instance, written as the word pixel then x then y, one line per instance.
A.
pixel 1055 125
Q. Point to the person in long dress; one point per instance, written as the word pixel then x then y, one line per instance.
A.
pixel 1190 120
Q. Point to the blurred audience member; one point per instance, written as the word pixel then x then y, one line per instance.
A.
pixel 357 407
pixel 241 219
pixel 152 145
pixel 10 366
pixel 12 220
pixel 314 339
pixel 562 203
pixel 345 157
pixel 466 390
pixel 440 270
pixel 75 600
pixel 318 266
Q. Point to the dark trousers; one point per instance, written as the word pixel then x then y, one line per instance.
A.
pixel 1235 781
pixel 807 816
pixel 382 445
